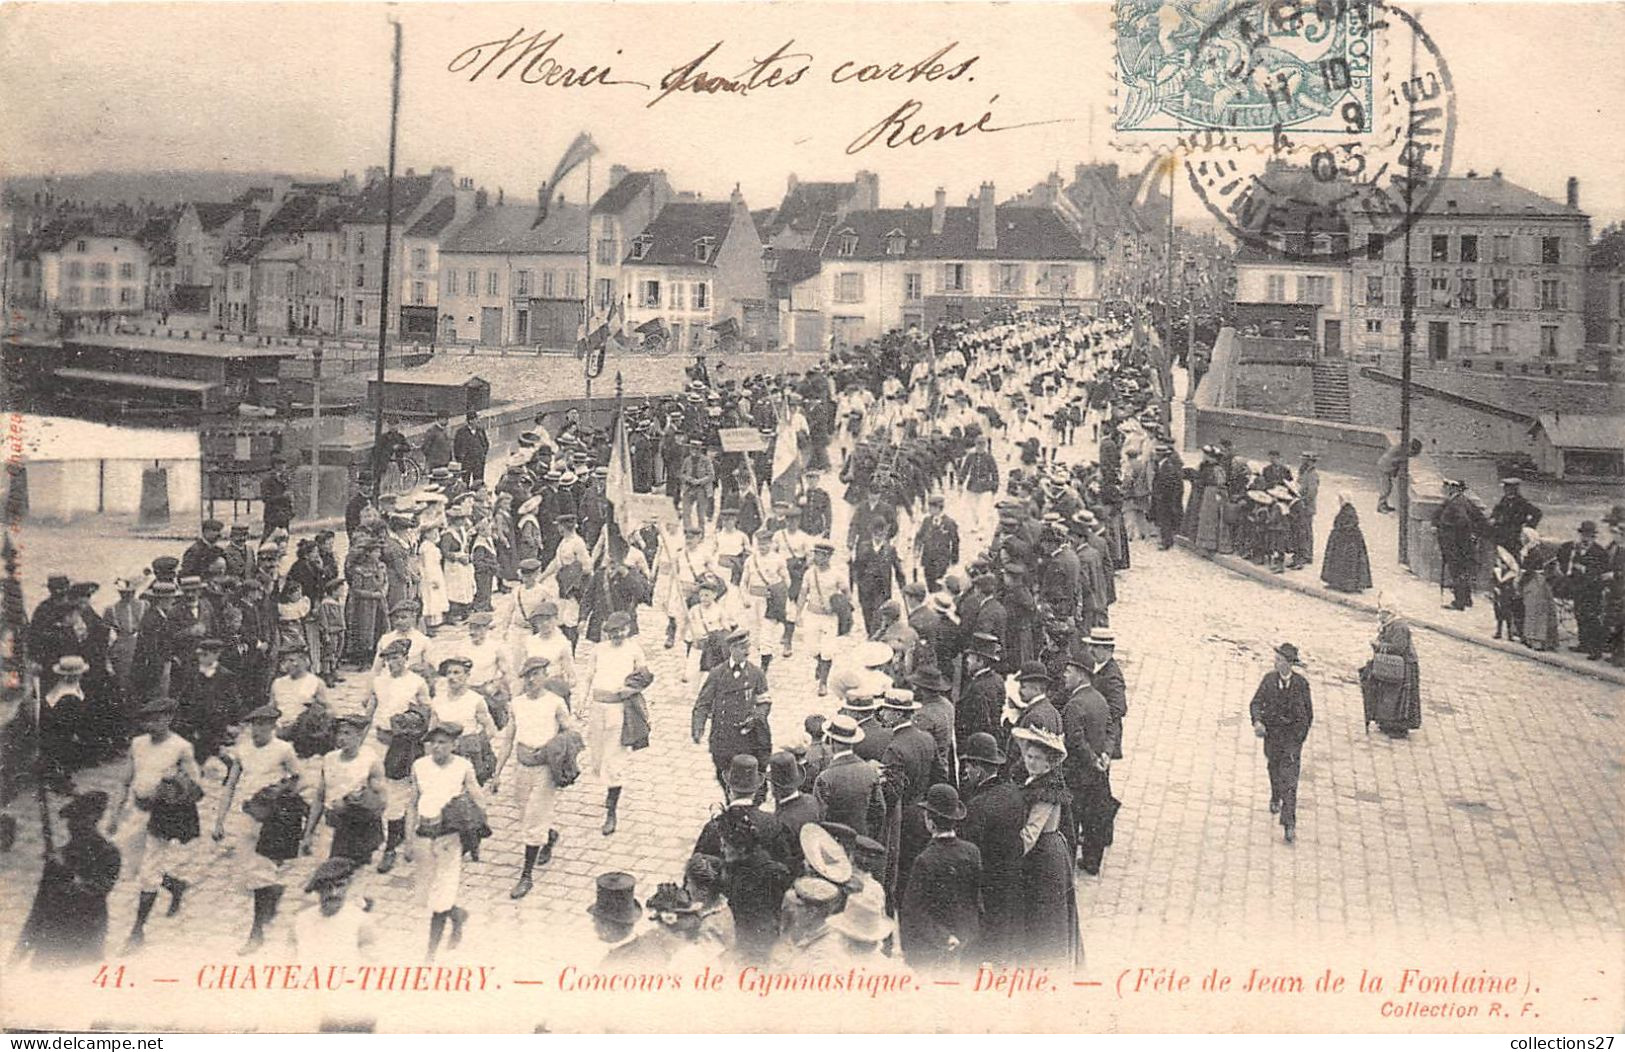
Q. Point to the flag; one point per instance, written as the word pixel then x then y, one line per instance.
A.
pixel 1159 168
pixel 618 487
pixel 786 480
pixel 574 157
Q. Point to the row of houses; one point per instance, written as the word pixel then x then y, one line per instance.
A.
pixel 1504 278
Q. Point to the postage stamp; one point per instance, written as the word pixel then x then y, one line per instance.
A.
pixel 1248 69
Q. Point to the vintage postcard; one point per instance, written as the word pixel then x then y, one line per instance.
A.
pixel 678 517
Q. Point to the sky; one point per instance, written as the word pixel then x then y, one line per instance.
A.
pixel 304 87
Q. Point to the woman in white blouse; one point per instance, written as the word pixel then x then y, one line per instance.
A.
pixel 1048 891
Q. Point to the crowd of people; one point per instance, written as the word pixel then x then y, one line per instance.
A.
pixel 502 619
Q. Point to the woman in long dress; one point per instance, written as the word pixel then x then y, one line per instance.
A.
pixel 1048 887
pixel 364 619
pixel 435 603
pixel 1395 707
pixel 1210 519
pixel 1539 605
pixel 1345 566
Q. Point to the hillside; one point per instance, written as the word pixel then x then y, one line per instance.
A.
pixel 163 188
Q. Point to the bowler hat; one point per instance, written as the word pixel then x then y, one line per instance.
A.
pixel 982 747
pixel 615 899
pixel 943 801
pixel 1290 652
pixel 930 679
pixel 1588 528
pixel 744 775
pixel 824 855
pixel 784 770
pixel 86 807
pixel 1033 671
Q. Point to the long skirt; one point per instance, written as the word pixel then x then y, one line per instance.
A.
pixel 1394 706
pixel 1210 519
pixel 1539 612
pixel 364 624
pixel 1050 905
pixel 1193 511
pixel 1345 566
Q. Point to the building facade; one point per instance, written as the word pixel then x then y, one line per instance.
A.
pixel 625 210
pixel 1500 277
pixel 1605 297
pixel 1264 281
pixel 94 274
pixel 696 265
pixel 512 276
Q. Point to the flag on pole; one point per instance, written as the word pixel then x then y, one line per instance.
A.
pixel 618 487
pixel 1155 172
pixel 786 481
pixel 575 155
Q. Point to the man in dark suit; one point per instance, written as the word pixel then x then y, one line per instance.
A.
pixel 1281 713
pixel 848 791
pixel 470 447
pixel 1086 728
pixel 1458 524
pixel 1167 492
pixel 876 736
pixel 203 551
pixel 742 779
pixel 1033 709
pixel 908 767
pixel 994 814
pixel 936 543
pixel 981 691
pixel 816 514
pixel 941 915
pixel 1106 677
pixel 730 700
pixel 791 806
pixel 1584 566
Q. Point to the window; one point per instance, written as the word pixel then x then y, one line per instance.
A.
pixel 360 313
pixel 1373 325
pixel 491 288
pixel 896 243
pixel 547 284
pixel 1548 337
pixel 76 271
pixel 1501 293
pixel 702 295
pixel 1373 246
pixel 126 271
pixel 1551 251
pixel 288 285
pixel 1440 252
pixel 75 296
pixel 606 293
pixel 418 290
pixel 1469 248
pixel 451 283
pixel 472 284
pixel 849 288
pixel 679 296
pixel 100 271
pixel 1058 278
pixel 1373 289
pixel 606 252
pixel 186 275
pixel 360 275
pixel 1469 337
pixel 237 281
pixel 524 282
pixel 572 285
pixel 1011 278
pixel 98 295
pixel 648 293
pixel 953 277
pixel 1275 288
pixel 420 259
pixel 704 249
pixel 641 245
pixel 848 245
pixel 913 287
pixel 1439 291
pixel 79 246
pixel 1503 248
pixel 188 247
pixel 1469 292
pixel 126 296
pixel 1548 294
pixel 316 315
pixel 360 242
pixel 1498 337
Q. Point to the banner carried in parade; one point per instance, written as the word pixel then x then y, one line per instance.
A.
pixel 742 440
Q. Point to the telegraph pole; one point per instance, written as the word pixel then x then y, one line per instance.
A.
pixel 1407 338
pixel 316 429
pixel 389 236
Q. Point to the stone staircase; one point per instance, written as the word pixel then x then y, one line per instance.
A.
pixel 1332 392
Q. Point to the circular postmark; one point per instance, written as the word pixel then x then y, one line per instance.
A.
pixel 1303 190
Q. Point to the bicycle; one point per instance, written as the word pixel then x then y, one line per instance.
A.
pixel 408 471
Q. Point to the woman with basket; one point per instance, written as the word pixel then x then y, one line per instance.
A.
pixel 1392 680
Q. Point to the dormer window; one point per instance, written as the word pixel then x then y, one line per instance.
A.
pixel 896 243
pixel 848 244
pixel 704 249
pixel 641 245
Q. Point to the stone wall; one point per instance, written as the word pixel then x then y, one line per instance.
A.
pixel 1347 448
pixel 1276 387
pixel 1445 427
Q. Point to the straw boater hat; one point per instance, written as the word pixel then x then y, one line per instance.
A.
pixel 1039 736
pixel 864 918
pixel 843 730
pixel 824 855
pixel 873 653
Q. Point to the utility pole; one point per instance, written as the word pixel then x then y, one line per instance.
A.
pixel 1407 337
pixel 389 236
pixel 316 429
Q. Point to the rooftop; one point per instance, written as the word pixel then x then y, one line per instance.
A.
pixel 510 229
pixel 214 215
pixel 370 205
pixel 1584 430
pixel 436 219
pixel 679 226
pixel 1023 233
pixel 297 214
pixel 806 203
pixel 623 193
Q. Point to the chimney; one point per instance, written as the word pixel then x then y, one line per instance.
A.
pixel 1052 189
pixel 939 212
pixel 793 182
pixel 251 222
pixel 541 199
pixel 480 199
pixel 499 197
pixel 411 173
pixel 375 173
pixel 441 169
pixel 867 197
pixel 1574 194
pixel 617 172
pixel 1496 175
pixel 737 199
pixel 987 221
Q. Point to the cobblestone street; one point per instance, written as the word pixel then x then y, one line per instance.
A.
pixel 1501 819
